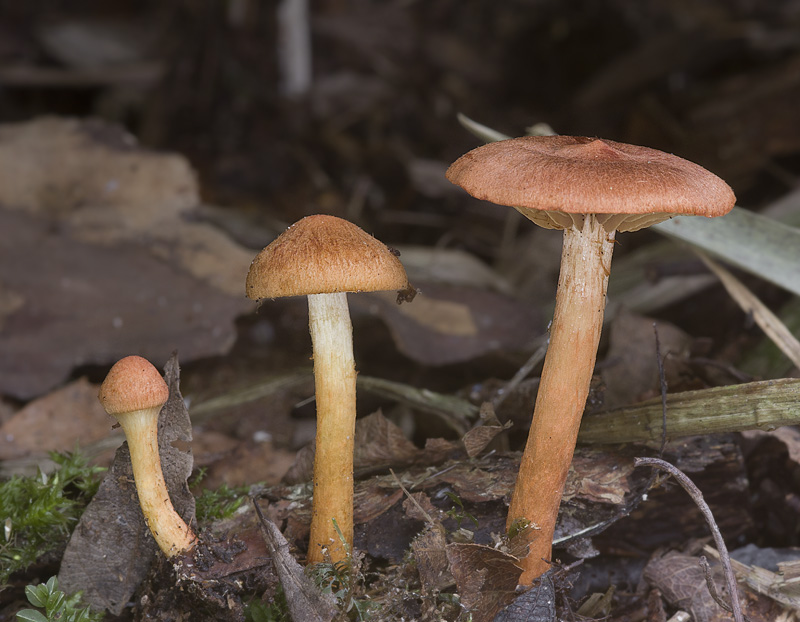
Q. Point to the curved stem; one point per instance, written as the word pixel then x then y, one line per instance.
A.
pixel 171 533
pixel 563 389
pixel 335 383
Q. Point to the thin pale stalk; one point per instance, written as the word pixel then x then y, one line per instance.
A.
pixel 335 383
pixel 563 389
pixel 170 531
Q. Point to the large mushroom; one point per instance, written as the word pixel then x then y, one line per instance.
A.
pixel 323 257
pixel 591 188
pixel 134 393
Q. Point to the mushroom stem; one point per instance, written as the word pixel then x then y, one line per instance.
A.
pixel 335 384
pixel 563 389
pixel 171 533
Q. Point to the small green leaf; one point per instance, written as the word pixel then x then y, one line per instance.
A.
pixel 37 595
pixel 30 615
pixel 55 602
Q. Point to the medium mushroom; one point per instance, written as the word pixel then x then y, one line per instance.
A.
pixel 591 188
pixel 134 393
pixel 323 257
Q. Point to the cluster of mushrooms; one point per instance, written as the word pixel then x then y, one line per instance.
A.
pixel 590 188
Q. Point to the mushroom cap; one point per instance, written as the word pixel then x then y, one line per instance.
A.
pixel 555 180
pixel 133 384
pixel 323 255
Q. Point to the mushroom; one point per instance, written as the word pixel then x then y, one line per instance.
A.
pixel 323 257
pixel 134 393
pixel 591 188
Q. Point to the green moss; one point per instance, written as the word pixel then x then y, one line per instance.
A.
pixel 211 505
pixel 38 513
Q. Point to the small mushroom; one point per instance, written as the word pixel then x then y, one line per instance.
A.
pixel 323 257
pixel 591 188
pixel 134 393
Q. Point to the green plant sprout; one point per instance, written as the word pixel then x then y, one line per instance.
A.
pixel 57 605
pixel 38 513
pixel 457 512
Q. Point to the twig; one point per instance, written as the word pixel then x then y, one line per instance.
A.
pixel 522 373
pixel 697 497
pixel 427 516
pixel 663 384
pixel 712 587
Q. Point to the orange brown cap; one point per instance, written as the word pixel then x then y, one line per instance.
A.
pixel 132 384
pixel 556 180
pixel 324 255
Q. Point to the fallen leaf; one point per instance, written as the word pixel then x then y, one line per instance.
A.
pixel 430 553
pixel 681 580
pixel 100 259
pixel 485 577
pixel 88 304
pixel 304 599
pixel 630 368
pixel 601 477
pixel 476 439
pixel 450 266
pixel 446 324
pixel 537 604
pixel 68 417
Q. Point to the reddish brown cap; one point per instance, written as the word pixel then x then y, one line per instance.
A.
pixel 132 384
pixel 554 180
pixel 323 255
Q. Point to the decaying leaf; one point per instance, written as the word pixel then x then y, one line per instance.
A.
pixel 598 476
pixel 98 261
pixel 111 548
pixel 486 578
pixel 538 604
pixel 681 580
pixel 447 324
pixel 430 553
pixel 449 266
pixel 476 439
pixel 630 370
pixel 56 422
pixel 305 600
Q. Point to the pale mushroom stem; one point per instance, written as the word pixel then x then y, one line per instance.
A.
pixel 335 382
pixel 563 389
pixel 171 533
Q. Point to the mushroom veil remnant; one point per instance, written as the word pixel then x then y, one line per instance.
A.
pixel 590 188
pixel 323 257
pixel 134 393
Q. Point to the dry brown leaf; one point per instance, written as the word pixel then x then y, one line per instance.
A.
pixel 630 369
pixel 99 260
pixel 67 418
pixel 476 439
pixel 87 304
pixel 601 477
pixel 447 324
pixel 486 578
pixel 430 553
